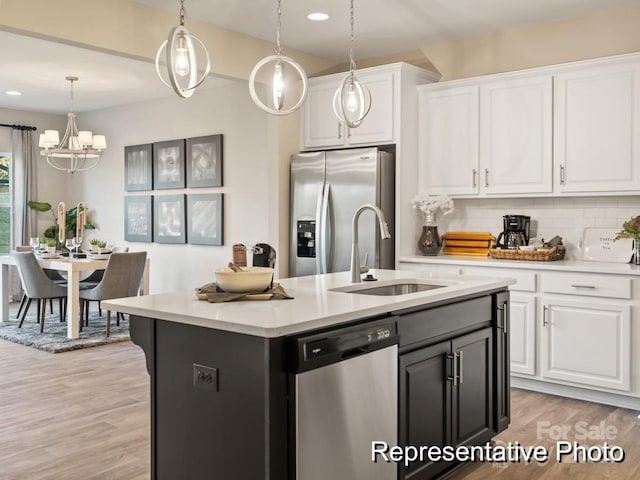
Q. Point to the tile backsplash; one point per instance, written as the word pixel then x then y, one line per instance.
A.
pixel 566 217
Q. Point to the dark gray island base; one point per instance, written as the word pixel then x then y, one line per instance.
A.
pixel 222 402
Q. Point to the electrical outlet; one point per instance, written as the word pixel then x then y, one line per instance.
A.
pixel 205 377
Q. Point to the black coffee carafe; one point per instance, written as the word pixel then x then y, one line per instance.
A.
pixel 515 233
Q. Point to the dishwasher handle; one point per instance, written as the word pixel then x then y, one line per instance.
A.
pixel 327 347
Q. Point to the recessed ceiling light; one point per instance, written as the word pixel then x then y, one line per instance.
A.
pixel 15 93
pixel 318 16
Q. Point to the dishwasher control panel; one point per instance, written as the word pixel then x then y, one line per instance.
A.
pixel 323 348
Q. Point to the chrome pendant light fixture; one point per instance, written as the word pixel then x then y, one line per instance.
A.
pixel 279 88
pixel 78 150
pixel 352 101
pixel 181 50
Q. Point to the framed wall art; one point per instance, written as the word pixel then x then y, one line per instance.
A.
pixel 204 215
pixel 168 164
pixel 169 219
pixel 138 164
pixel 138 218
pixel 204 161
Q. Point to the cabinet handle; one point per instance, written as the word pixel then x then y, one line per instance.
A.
pixel 561 174
pixel 475 177
pixel 544 316
pixel 339 130
pixel 577 285
pixel 460 366
pixel 486 177
pixel 505 317
pixel 454 378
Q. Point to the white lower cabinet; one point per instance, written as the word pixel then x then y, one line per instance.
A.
pixel 587 343
pixel 522 322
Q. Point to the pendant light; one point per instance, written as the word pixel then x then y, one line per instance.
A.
pixel 182 62
pixel 78 150
pixel 279 79
pixel 352 101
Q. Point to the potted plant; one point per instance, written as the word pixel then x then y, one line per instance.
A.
pixel 94 244
pixel 71 217
pixel 631 229
pixel 102 246
pixel 51 247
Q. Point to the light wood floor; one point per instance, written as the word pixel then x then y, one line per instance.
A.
pixel 84 415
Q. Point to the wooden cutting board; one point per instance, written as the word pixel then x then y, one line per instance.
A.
pixel 468 243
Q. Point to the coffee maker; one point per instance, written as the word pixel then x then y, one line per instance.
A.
pixel 515 232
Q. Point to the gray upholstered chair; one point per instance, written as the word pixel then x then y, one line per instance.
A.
pixel 36 284
pixel 121 279
pixel 52 274
pixel 96 276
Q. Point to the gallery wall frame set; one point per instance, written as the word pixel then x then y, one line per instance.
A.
pixel 175 219
pixel 193 162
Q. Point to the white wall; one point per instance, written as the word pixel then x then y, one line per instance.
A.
pixel 248 171
pixel 566 217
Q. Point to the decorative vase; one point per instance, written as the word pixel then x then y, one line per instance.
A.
pixel 429 242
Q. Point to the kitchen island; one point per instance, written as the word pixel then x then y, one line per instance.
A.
pixel 223 391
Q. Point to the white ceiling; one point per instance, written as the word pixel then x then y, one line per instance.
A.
pixel 37 67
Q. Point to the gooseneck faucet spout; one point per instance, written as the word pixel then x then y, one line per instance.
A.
pixel 356 270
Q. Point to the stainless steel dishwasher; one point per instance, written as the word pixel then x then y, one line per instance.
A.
pixel 346 396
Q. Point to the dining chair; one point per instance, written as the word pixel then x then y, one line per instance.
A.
pixel 37 285
pixel 52 274
pixel 96 276
pixel 121 279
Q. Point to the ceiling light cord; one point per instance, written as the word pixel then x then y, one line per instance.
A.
pixel 278 25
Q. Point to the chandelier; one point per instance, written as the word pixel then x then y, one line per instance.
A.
pixel 78 150
pixel 279 79
pixel 352 100
pixel 182 64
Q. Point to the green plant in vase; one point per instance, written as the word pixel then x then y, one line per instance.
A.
pixel 102 246
pixel 94 244
pixel 71 217
pixel 631 229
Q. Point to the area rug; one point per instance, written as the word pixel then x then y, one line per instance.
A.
pixel 54 339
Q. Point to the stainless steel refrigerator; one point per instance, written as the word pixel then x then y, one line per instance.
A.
pixel 326 190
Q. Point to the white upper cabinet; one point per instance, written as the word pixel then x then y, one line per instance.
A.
pixel 562 130
pixel 491 138
pixel 516 136
pixel 320 126
pixel 597 128
pixel 448 140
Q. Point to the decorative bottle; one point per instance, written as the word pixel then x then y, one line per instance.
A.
pixel 429 242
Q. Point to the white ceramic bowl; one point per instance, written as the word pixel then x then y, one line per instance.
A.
pixel 250 279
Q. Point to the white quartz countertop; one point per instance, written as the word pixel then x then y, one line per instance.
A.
pixel 314 304
pixel 558 265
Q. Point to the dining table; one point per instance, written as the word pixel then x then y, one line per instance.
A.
pixel 74 269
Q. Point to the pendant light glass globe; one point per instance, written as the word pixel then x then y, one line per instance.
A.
pixel 352 100
pixel 180 51
pixel 281 82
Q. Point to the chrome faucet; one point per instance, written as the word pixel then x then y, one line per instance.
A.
pixel 356 270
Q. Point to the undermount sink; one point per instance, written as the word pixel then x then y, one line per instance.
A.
pixel 391 288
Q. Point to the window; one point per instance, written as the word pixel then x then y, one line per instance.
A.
pixel 5 204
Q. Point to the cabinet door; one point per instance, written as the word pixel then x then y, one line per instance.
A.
pixel 320 126
pixel 424 408
pixel 502 390
pixel 597 128
pixel 377 127
pixel 472 398
pixel 587 343
pixel 448 140
pixel 522 313
pixel 515 136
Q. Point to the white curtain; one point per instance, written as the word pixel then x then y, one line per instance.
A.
pixel 22 186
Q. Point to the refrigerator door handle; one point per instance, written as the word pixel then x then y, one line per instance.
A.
pixel 319 242
pixel 323 228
